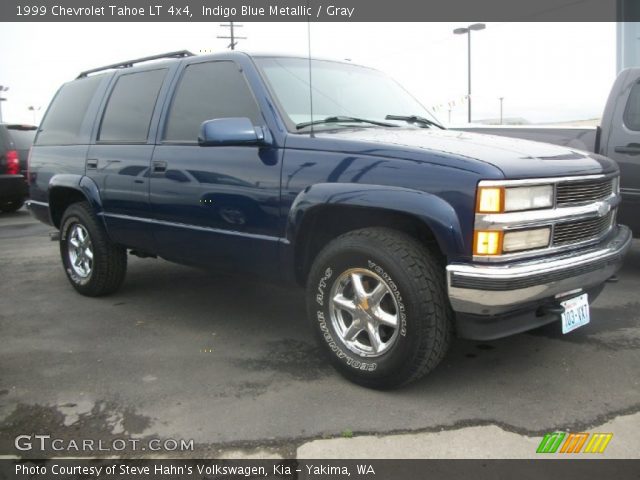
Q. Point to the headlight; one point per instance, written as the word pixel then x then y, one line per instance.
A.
pixel 513 199
pixel 528 198
pixel 526 239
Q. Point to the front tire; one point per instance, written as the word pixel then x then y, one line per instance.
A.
pixel 93 264
pixel 377 300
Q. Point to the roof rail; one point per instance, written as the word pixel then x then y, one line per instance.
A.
pixel 131 63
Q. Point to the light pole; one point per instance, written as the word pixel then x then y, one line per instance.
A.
pixel 467 30
pixel 2 99
pixel 34 109
pixel 501 100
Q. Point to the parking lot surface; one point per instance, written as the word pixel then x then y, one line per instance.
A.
pixel 230 363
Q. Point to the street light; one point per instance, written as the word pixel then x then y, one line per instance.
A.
pixel 467 30
pixel 2 99
pixel 501 100
pixel 34 109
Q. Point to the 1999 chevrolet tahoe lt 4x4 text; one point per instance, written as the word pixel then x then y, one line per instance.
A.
pixel 402 232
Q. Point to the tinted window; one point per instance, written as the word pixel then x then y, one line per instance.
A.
pixel 207 91
pixel 632 111
pixel 22 138
pixel 130 107
pixel 62 123
pixel 5 141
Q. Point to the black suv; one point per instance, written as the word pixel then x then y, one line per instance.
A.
pixel 15 142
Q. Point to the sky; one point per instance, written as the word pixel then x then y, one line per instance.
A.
pixel 546 72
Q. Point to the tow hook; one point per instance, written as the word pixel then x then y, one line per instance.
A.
pixel 613 279
pixel 54 236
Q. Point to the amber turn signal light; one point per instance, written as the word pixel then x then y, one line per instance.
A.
pixel 487 242
pixel 490 200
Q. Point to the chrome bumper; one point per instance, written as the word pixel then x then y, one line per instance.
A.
pixel 496 289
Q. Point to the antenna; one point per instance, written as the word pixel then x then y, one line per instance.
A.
pixel 232 36
pixel 310 77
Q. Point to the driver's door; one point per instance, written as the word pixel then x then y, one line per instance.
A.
pixel 216 205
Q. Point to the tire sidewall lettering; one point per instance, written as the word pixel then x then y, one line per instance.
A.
pixel 324 285
pixel 396 293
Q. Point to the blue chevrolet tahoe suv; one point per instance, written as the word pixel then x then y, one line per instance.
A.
pixel 402 232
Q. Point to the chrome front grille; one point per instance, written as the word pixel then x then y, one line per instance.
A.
pixel 574 193
pixel 582 230
pixel 577 217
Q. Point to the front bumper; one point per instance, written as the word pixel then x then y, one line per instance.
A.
pixel 497 289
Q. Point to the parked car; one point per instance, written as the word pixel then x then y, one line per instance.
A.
pixel 617 137
pixel 403 233
pixel 15 141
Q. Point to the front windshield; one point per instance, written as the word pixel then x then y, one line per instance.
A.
pixel 339 90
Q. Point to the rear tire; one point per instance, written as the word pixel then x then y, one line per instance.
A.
pixel 11 206
pixel 377 300
pixel 94 265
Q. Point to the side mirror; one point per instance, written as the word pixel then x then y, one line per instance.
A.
pixel 230 131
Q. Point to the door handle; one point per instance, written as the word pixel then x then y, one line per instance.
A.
pixel 631 149
pixel 159 167
pixel 92 163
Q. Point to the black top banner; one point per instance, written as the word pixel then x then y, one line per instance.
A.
pixel 318 10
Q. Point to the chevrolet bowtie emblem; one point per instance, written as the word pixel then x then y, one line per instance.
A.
pixel 603 209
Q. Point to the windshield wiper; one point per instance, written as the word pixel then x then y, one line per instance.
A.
pixel 415 119
pixel 343 119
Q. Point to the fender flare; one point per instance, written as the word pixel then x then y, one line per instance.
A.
pixel 438 215
pixel 81 184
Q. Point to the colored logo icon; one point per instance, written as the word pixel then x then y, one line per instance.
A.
pixel 562 442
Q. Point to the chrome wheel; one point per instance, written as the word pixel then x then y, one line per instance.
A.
pixel 364 312
pixel 80 251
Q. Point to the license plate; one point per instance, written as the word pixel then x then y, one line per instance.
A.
pixel 576 313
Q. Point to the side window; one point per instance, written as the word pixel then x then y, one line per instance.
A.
pixel 632 110
pixel 62 123
pixel 128 113
pixel 207 91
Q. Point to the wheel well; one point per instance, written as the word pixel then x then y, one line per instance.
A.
pixel 327 223
pixel 60 198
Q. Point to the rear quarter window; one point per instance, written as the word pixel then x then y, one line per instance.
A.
pixel 63 121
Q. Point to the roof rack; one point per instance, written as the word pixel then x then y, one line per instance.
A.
pixel 131 63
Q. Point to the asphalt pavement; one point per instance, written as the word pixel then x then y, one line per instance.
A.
pixel 230 363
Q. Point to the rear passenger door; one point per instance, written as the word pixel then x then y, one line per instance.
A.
pixel 214 206
pixel 119 159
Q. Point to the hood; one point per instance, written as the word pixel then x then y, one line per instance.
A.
pixel 515 158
